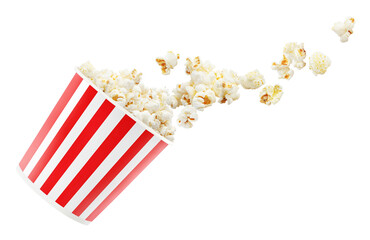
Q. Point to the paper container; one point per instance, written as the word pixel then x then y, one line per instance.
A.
pixel 87 152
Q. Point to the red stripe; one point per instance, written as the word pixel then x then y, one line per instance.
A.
pixel 114 171
pixel 96 159
pixel 64 99
pixel 96 121
pixel 63 132
pixel 130 177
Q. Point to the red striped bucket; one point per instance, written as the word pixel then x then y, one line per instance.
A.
pixel 87 152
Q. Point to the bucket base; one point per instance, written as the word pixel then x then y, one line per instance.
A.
pixel 54 204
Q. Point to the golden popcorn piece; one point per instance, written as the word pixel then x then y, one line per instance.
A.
pixel 344 29
pixel 197 65
pixel 252 80
pixel 187 116
pixel 283 68
pixel 168 62
pixel 271 94
pixel 319 63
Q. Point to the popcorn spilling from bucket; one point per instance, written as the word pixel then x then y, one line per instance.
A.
pixel 154 107
pixel 206 86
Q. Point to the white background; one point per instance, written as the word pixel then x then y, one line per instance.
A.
pixel 294 171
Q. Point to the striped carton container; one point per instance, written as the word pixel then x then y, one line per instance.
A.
pixel 87 152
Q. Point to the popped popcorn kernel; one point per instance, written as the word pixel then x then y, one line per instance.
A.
pixel 134 75
pixel 203 98
pixel 283 68
pixel 187 116
pixel 197 65
pixel 293 53
pixel 252 80
pixel 87 69
pixel 344 29
pixel 226 86
pixel 168 62
pixel 271 94
pixel 296 53
pixel 319 63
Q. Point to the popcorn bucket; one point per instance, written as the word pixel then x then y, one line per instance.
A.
pixel 87 152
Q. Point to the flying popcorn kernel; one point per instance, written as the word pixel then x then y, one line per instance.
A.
pixel 271 94
pixel 293 53
pixel 197 65
pixel 344 29
pixel 226 86
pixel 283 68
pixel 319 63
pixel 168 62
pixel 296 53
pixel 187 116
pixel 228 92
pixel 252 80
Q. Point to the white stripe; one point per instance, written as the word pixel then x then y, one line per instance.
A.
pixel 57 125
pixel 70 138
pixel 101 134
pixel 106 165
pixel 122 175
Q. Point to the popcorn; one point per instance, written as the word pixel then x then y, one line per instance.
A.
pixel 283 68
pixel 133 75
pixel 197 65
pixel 168 62
pixel 226 86
pixel 182 95
pixel 143 116
pixel 319 63
pixel 173 101
pixel 252 80
pixel 271 94
pixel 187 97
pixel 87 69
pixel 203 98
pixel 198 77
pixel 204 87
pixel 187 116
pixel 164 115
pixel 296 53
pixel 154 106
pixel 149 105
pixel 344 29
pixel 117 95
pixel 227 92
pixel 293 53
pixel 167 131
